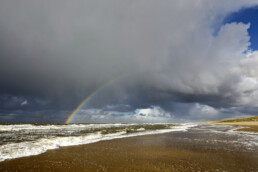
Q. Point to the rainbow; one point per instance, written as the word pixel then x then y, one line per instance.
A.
pixel 87 99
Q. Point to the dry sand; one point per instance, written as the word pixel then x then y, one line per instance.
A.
pixel 253 123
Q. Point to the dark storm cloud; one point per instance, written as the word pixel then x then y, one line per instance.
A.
pixel 55 53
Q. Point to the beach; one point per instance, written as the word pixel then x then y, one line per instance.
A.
pixel 129 86
pixel 201 148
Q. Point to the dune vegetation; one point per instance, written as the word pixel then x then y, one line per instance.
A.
pixel 252 119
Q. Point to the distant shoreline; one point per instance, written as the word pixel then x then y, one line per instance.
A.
pixel 249 124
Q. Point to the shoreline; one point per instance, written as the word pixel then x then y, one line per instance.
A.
pixel 56 143
pixel 247 126
pixel 174 151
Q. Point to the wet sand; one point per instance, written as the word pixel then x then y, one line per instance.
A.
pixel 195 150
pixel 249 129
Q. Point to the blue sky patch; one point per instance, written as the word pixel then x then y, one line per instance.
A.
pixel 247 15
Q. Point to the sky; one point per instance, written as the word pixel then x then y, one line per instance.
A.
pixel 140 60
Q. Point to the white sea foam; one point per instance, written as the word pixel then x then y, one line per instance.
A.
pixel 19 127
pixel 28 148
